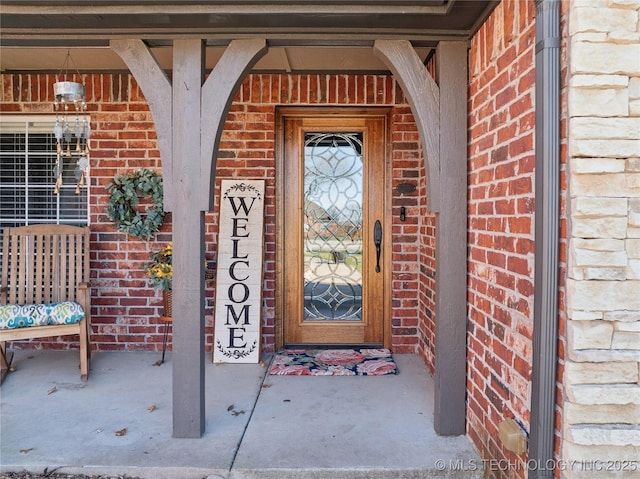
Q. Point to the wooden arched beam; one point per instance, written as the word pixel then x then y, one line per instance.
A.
pixel 217 94
pixel 156 88
pixel 424 99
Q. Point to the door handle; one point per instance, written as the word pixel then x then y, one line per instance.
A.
pixel 377 240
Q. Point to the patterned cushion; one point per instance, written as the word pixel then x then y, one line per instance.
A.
pixel 24 315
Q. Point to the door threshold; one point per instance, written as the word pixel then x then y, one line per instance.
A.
pixel 333 346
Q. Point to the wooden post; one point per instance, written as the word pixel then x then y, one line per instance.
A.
pixel 441 116
pixel 451 243
pixel 189 119
pixel 188 242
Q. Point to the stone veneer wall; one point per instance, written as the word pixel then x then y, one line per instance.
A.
pixel 601 378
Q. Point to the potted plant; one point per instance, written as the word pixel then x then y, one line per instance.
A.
pixel 160 273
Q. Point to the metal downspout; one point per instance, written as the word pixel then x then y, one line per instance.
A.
pixel 547 196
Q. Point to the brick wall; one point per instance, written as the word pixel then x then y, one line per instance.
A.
pixel 427 278
pixel 125 307
pixel 501 228
pixel 408 167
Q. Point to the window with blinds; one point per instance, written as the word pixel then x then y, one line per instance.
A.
pixel 27 176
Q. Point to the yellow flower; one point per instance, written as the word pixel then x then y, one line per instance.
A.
pixel 159 269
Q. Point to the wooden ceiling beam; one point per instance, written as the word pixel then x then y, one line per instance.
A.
pixel 328 22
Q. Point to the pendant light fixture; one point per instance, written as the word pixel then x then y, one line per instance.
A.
pixel 72 130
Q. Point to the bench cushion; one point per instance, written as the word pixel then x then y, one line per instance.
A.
pixel 14 316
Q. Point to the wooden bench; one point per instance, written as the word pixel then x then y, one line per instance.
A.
pixel 43 265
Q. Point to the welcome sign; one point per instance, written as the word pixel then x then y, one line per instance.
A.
pixel 239 279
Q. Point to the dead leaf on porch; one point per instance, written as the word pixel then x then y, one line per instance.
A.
pixel 122 432
pixel 48 472
pixel 237 413
pixel 266 386
pixel 26 451
pixel 230 407
pixel 52 390
pixel 152 408
pixel 158 362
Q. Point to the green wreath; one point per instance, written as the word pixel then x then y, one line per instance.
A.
pixel 125 193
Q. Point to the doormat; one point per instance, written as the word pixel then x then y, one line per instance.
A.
pixel 333 362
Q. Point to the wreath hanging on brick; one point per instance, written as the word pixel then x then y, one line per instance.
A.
pixel 125 194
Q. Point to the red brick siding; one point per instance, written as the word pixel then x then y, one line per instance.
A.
pixel 427 281
pixel 408 167
pixel 125 308
pixel 501 227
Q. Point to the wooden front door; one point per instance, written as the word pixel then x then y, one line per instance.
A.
pixel 334 235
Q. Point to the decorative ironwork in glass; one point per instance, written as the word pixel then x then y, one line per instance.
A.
pixel 333 196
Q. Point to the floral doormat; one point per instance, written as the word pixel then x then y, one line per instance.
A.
pixel 333 362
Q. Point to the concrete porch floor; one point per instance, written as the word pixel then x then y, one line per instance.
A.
pixel 257 425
